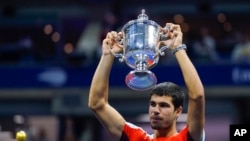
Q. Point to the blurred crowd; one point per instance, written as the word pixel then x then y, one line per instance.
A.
pixel 231 46
pixel 77 41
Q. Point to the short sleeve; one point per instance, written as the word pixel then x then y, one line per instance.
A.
pixel 132 132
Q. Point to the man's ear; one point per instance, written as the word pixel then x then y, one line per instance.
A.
pixel 178 111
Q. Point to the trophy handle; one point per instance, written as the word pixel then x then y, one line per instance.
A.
pixel 165 37
pixel 118 55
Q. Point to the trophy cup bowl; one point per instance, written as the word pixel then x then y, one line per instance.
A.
pixel 141 51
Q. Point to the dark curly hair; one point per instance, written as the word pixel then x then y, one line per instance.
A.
pixel 169 89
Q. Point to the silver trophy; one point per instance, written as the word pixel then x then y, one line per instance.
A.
pixel 141 50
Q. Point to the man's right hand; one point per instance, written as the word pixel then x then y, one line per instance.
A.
pixel 111 43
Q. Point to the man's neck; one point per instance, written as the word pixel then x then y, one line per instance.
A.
pixel 170 131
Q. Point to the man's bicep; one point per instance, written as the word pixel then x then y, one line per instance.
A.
pixel 112 121
pixel 196 118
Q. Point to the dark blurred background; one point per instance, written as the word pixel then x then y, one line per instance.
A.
pixel 49 50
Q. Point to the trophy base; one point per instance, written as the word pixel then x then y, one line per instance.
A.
pixel 141 80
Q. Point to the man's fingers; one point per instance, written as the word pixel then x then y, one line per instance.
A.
pixel 109 35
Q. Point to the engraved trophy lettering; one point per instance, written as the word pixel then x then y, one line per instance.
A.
pixel 141 50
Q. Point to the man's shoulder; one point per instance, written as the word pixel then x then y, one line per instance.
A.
pixel 132 127
pixel 131 130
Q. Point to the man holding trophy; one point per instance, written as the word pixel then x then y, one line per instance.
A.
pixel 166 100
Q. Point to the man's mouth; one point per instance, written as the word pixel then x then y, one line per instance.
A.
pixel 156 118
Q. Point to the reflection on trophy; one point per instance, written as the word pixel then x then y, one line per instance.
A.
pixel 141 50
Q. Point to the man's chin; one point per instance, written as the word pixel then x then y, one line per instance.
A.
pixel 156 126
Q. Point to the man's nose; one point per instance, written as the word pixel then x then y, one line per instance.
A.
pixel 156 110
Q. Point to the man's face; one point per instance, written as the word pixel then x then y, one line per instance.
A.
pixel 161 112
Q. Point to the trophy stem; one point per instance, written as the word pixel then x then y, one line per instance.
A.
pixel 141 66
pixel 141 63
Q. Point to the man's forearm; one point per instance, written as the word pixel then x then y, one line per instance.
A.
pixel 100 83
pixel 191 77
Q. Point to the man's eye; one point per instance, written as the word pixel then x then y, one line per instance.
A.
pixel 164 105
pixel 152 104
